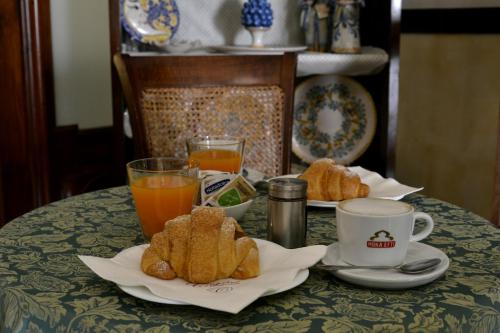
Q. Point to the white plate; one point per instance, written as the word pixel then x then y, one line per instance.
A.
pixel 390 279
pixel 275 49
pixel 380 187
pixel 145 294
pixel 133 254
pixel 150 21
pixel 334 117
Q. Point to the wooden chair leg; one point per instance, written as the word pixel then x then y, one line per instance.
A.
pixel 495 216
pixel 495 219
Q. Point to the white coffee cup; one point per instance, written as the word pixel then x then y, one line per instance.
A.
pixel 377 231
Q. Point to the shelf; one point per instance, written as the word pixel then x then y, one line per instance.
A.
pixel 370 61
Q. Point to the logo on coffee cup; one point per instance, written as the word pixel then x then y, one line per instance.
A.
pixel 381 240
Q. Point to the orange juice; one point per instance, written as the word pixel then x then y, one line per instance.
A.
pixel 160 198
pixel 217 159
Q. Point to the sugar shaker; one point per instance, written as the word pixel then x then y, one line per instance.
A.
pixel 286 212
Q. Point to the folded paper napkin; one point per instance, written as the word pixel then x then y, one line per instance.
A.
pixel 383 188
pixel 279 268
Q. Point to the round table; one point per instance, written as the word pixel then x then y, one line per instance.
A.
pixel 44 287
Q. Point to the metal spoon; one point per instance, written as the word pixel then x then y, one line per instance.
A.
pixel 414 267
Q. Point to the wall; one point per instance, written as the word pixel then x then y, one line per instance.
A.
pixel 448 117
pixel 218 22
pixel 80 43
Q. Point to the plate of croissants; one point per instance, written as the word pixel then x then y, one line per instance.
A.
pixel 328 183
pixel 144 293
pixel 206 259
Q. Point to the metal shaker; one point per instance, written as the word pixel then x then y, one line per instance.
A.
pixel 286 212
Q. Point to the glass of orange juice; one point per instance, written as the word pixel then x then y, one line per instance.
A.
pixel 163 188
pixel 221 153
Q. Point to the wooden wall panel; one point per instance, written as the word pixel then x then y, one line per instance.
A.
pixel 449 106
pixel 119 141
pixel 495 214
pixel 25 65
pixel 82 160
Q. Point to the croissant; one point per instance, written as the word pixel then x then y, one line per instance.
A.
pixel 332 182
pixel 201 248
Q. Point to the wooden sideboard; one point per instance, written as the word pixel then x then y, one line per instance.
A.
pixel 379 27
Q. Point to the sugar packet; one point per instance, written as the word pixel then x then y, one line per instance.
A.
pixel 223 190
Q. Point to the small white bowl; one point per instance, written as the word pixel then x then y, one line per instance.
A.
pixel 238 211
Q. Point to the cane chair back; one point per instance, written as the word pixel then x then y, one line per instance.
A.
pixel 173 98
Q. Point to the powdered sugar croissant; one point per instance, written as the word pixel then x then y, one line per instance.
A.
pixel 200 248
pixel 332 182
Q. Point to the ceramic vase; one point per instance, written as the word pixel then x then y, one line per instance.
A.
pixel 257 18
pixel 315 18
pixel 345 34
pixel 257 34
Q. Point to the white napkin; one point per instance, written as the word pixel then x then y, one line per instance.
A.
pixel 279 267
pixel 383 188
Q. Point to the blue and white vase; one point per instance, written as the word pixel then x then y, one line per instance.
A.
pixel 345 34
pixel 257 18
pixel 314 21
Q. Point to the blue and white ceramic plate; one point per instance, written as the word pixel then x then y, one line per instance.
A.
pixel 150 21
pixel 334 117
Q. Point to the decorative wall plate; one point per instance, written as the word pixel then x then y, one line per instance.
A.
pixel 334 117
pixel 148 21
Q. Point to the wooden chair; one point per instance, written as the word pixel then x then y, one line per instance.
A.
pixel 172 98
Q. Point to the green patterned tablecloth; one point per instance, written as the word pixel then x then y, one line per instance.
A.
pixel 45 288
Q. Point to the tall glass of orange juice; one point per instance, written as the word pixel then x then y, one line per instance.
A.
pixel 163 188
pixel 221 153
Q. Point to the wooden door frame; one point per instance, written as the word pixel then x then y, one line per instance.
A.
pixel 495 214
pixel 118 132
pixel 28 114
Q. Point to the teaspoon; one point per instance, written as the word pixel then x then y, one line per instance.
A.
pixel 414 267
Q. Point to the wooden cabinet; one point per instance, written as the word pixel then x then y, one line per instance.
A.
pixel 379 27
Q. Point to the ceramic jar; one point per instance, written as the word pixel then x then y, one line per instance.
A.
pixel 345 34
pixel 257 18
pixel 315 22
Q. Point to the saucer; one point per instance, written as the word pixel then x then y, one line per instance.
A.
pixel 390 279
